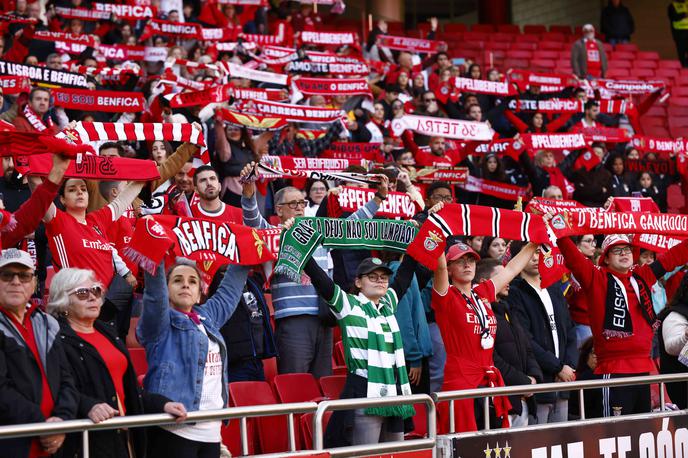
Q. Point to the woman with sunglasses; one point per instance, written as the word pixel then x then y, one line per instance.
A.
pixel 101 367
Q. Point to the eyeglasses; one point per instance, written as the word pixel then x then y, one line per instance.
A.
pixel 619 250
pixel 377 278
pixel 294 204
pixel 446 199
pixel 8 276
pixel 83 292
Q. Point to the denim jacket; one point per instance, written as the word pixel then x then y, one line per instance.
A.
pixel 176 349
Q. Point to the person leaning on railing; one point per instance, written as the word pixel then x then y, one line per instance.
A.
pixel 102 368
pixel 35 383
pixel 187 356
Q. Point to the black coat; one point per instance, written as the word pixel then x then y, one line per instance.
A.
pixel 617 22
pixel 669 364
pixel 95 386
pixel 531 313
pixel 21 386
pixel 513 355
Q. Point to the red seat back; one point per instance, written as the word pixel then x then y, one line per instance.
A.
pixel 272 431
pixel 306 426
pixel 296 387
pixel 332 385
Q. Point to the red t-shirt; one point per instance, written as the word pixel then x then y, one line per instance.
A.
pixel 427 159
pixel 25 328
pixel 115 361
pixel 227 213
pixel 461 329
pixel 82 245
pixel 593 57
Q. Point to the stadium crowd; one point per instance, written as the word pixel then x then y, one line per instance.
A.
pixel 159 157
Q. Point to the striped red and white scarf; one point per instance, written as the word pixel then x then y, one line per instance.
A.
pixel 264 171
pixel 137 131
pixel 293 113
pixel 36 120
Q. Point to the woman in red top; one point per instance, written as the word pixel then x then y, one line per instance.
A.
pixel 101 367
pixel 468 326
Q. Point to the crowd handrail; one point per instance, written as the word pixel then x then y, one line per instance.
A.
pixel 243 413
pixel 581 386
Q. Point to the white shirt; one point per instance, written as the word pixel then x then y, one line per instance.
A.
pixel 674 333
pixel 549 308
pixel 211 398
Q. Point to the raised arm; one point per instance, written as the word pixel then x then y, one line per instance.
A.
pixel 221 305
pixel 173 164
pixel 155 317
pixel 441 277
pixel 514 267
pixel 249 205
pixel 125 199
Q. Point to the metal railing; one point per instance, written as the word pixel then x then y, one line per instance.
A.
pixel 581 386
pixel 289 410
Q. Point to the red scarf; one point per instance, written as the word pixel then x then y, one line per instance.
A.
pixel 335 39
pixel 497 189
pixel 656 242
pixel 15 84
pixel 634 204
pixel 548 82
pixel 558 142
pixel 81 39
pixel 223 93
pixel 453 175
pixel 176 132
pixel 355 151
pixel 179 30
pixel 627 87
pixel 500 88
pixel 293 113
pixel 36 120
pixel 92 167
pixel 540 206
pixel 254 122
pixel 444 127
pixel 122 52
pixel 320 164
pixel 330 87
pixel 13 143
pixel 412 45
pixel 108 101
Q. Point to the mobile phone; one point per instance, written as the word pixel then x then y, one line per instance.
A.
pixel 636 194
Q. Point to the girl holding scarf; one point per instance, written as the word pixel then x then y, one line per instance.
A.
pixel 468 326
pixel 373 350
pixel 622 318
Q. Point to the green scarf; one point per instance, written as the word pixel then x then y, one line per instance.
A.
pixel 300 241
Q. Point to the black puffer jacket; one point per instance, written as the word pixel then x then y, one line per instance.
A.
pixel 95 386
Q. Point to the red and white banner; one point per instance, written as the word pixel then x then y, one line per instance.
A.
pixel 413 45
pixel 171 79
pixel 255 122
pixel 660 144
pixel 108 101
pixel 540 206
pixel 122 52
pixel 443 127
pixel 548 82
pixel 216 34
pixel 329 87
pixel 333 68
pixel 656 242
pixel 15 84
pixel 500 88
pixel 82 13
pixel 329 38
pixel 605 134
pixel 136 131
pixel 398 204
pixel 634 204
pixel 547 105
pixel 454 175
pixel 82 39
pixel 294 113
pixel 318 164
pixel 262 40
pixel 554 141
pixel 222 93
pixel 494 188
pixel 627 87
pixel 128 12
pixel 241 71
pixel 354 151
pixel 181 30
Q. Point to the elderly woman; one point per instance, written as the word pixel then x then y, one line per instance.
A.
pixel 187 356
pixel 101 367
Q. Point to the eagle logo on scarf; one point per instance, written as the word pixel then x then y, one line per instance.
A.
pixel 432 241
pixel 258 243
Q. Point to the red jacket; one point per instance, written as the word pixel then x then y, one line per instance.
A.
pixel 30 214
pixel 630 355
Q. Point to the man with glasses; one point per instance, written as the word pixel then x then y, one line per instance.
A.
pixel 304 342
pixel 35 385
pixel 620 309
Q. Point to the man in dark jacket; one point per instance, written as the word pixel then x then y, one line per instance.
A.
pixel 678 16
pixel 616 23
pixel 35 383
pixel 513 355
pixel 544 314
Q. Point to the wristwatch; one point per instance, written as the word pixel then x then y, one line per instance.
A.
pixel 380 196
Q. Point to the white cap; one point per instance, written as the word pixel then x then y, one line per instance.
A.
pixel 14 256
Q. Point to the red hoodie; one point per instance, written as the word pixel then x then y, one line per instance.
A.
pixel 630 355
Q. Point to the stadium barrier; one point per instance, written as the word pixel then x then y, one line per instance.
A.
pixel 319 410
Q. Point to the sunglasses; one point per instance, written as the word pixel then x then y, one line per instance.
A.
pixel 82 293
pixel 6 276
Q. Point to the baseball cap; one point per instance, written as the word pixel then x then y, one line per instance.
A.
pixel 459 250
pixel 611 241
pixel 371 264
pixel 14 256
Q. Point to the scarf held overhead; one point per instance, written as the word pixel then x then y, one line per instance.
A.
pixel 300 241
pixel 137 131
pixel 43 76
pixel 92 167
pixel 108 101
pixel 350 199
pixel 443 127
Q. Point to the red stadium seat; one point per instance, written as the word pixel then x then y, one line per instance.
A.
pixel 297 388
pixel 645 64
pixel 642 73
pixel 681 80
pixel 332 385
pixel 656 131
pixel 306 423
pixel 676 132
pixel 553 36
pixel 667 73
pixel 622 55
pixel 526 38
pixel 502 37
pixel 543 54
pixel 476 36
pixel 677 110
pixel 678 122
pixel 673 63
pixel 486 28
pixel 534 29
pixel 628 47
pixel 270 369
pixel 648 55
pixel 523 46
pixel 272 431
pixel 551 45
pixel 542 64
pixel 620 64
pixel 653 121
pixel 420 423
pixel 515 63
pixel 518 54
pixel 617 73
pixel 138 359
pixel 497 45
pixel 508 28
pixel 565 29
pixel 680 91
pixel 657 110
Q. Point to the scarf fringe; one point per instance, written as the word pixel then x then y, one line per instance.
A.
pixel 143 261
pixel 291 274
pixel 406 411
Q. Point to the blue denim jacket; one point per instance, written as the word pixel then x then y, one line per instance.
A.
pixel 176 349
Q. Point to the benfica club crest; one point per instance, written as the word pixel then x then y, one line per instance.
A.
pixel 432 241
pixel 560 221
pixel 548 260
